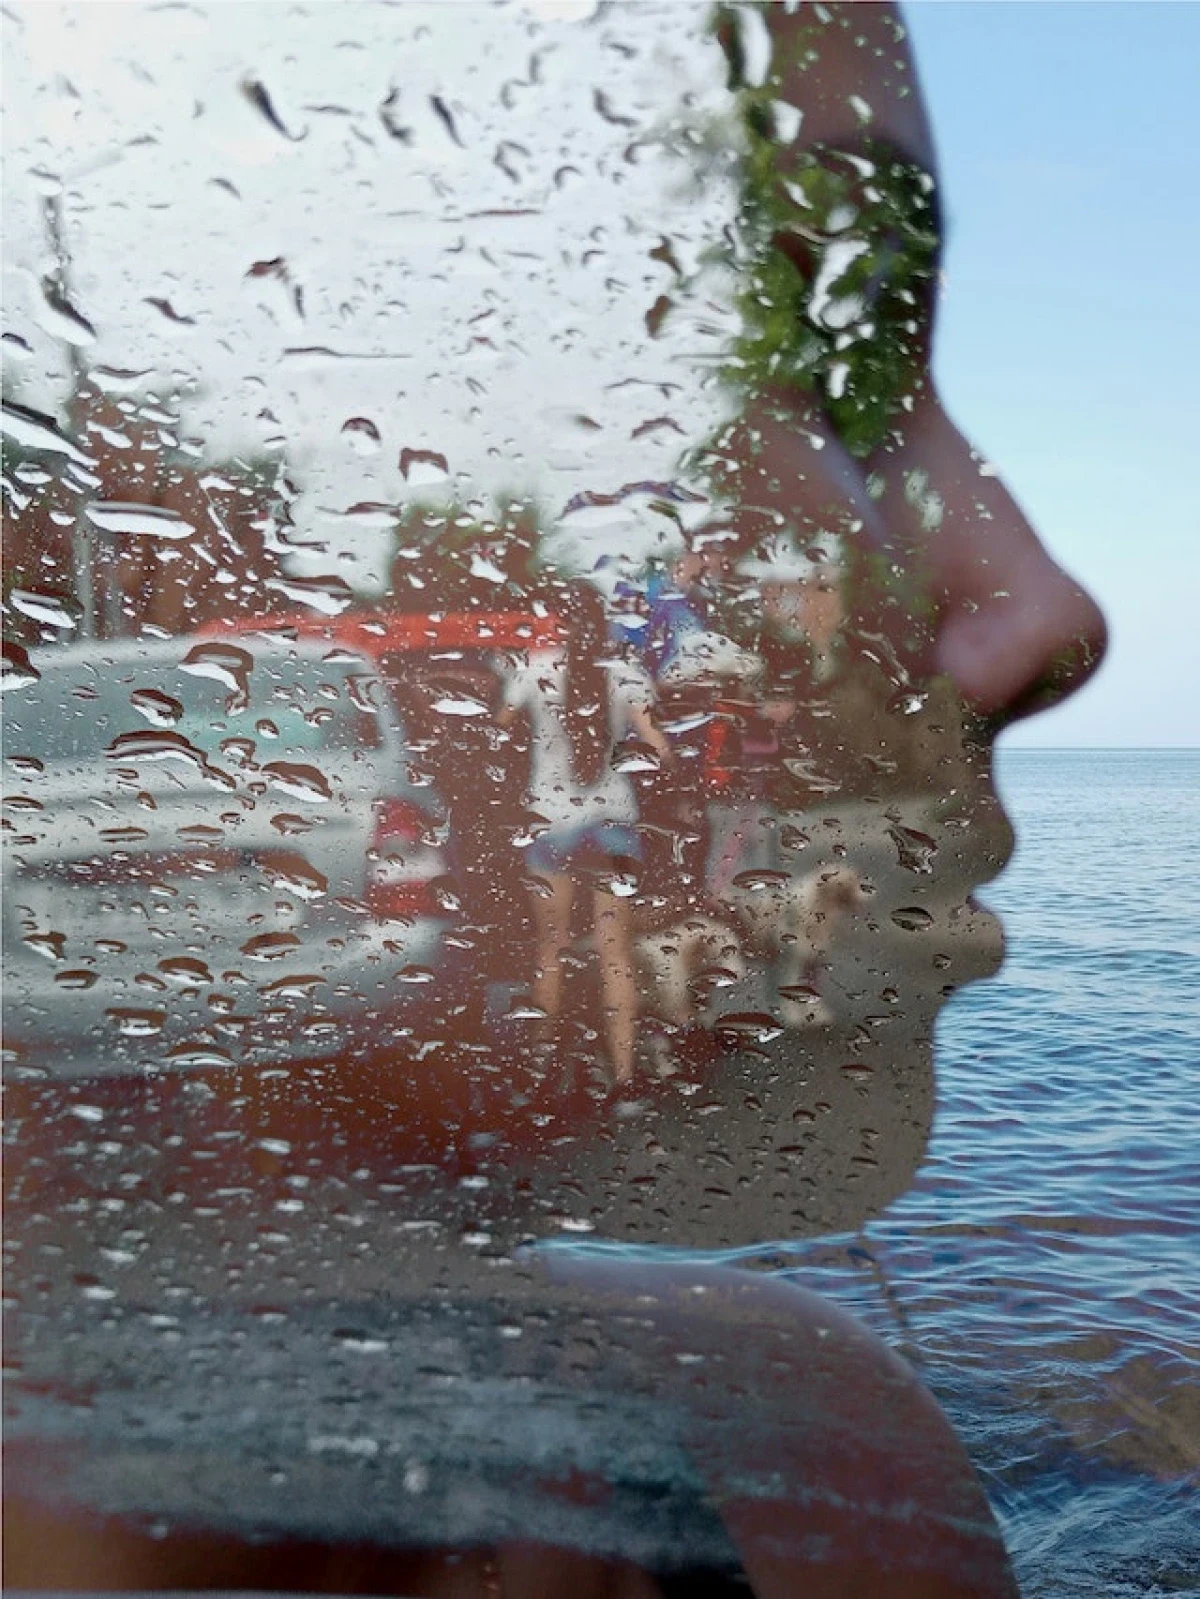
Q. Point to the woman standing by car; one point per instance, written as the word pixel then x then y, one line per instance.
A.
pixel 581 700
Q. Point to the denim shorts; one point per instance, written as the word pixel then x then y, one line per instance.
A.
pixel 588 844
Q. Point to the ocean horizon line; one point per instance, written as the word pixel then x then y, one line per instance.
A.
pixel 1100 749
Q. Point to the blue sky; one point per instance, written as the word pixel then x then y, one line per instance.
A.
pixel 1069 137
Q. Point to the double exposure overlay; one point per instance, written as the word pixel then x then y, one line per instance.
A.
pixel 475 764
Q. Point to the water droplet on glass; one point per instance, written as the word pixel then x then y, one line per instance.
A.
pixel 756 881
pixel 51 609
pixel 224 663
pixel 460 705
pixel 256 93
pixel 61 319
pixel 637 757
pixel 302 782
pixel 329 596
pixel 270 946
pixel 50 945
pixel 137 1023
pixel 18 670
pixel 39 432
pixel 361 434
pixel 185 969
pixel 423 466
pixel 199 1056
pixel 141 521
pixel 915 850
pixel 754 1027
pixel 161 710
pixel 912 918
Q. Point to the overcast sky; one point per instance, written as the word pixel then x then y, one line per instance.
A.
pixel 1069 139
pixel 462 235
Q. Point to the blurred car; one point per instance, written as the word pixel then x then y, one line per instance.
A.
pixel 216 851
pixel 444 675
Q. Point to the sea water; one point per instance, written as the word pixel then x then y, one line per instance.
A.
pixel 1043 1273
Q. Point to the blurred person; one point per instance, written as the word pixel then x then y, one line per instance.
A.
pixel 581 701
pixel 690 657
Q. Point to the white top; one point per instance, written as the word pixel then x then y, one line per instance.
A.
pixel 538 685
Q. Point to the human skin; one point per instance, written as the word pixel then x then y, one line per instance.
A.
pixel 1014 633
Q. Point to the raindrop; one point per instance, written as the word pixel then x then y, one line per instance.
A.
pixel 522 1011
pixel 637 757
pixel 142 521
pixel 713 977
pixel 169 311
pixel 40 432
pixel 258 97
pixel 623 884
pixel 289 825
pixel 75 979
pixel 54 610
pixel 361 434
pixel 302 782
pixel 801 993
pixel 460 705
pixel 423 466
pixel 297 877
pixel 185 969
pixel 857 1070
pixel 758 880
pixel 61 319
pixel 749 1026
pixel 119 380
pixel 912 918
pixel 446 118
pixel 224 663
pixel 138 1023
pixel 296 987
pixel 159 709
pixel 270 946
pixel 18 671
pixel 605 109
pixel 198 1056
pixel 329 596
pixel 360 1343
pixel 50 945
pixel 161 746
pixel 388 115
pixel 915 850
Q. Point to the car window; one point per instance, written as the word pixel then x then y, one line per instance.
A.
pixel 480 773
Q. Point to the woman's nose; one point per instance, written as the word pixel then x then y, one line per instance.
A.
pixel 1016 633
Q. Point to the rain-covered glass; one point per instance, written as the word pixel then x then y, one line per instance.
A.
pixel 481 764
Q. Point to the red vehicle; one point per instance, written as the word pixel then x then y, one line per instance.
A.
pixel 444 674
